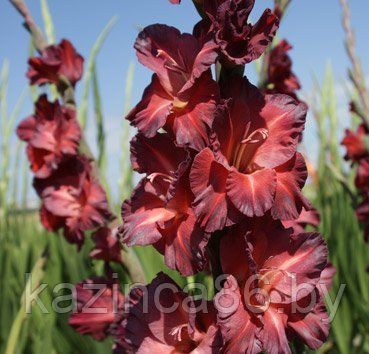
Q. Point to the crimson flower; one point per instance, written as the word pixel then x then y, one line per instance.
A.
pixel 355 143
pixel 307 217
pixel 362 176
pixel 182 95
pixel 56 62
pixel 252 164
pixel 151 328
pixel 176 2
pixel 239 41
pixel 73 200
pixel 159 211
pixel 272 293
pixel 281 78
pixel 106 245
pixel 52 133
pixel 98 303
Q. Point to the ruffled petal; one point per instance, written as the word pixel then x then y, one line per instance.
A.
pixel 141 215
pixel 239 330
pixel 191 123
pixel 152 111
pixel 289 199
pixel 273 335
pixel 252 194
pixel 151 155
pixel 208 181
pixel 313 328
pixel 285 120
pixel 185 244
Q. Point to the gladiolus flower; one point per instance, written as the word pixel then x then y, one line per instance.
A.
pixel 182 95
pixel 52 134
pixel 159 211
pixel 355 144
pixel 239 41
pixel 72 199
pixel 57 62
pixel 281 78
pixel 185 329
pixel 271 295
pixel 252 164
pixel 106 245
pixel 98 303
pixel 307 217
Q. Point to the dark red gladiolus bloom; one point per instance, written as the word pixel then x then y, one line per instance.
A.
pixel 52 134
pixel 281 78
pixel 159 211
pixel 185 329
pixel 239 41
pixel 182 95
pixel 56 62
pixel 362 176
pixel 355 144
pixel 252 164
pixel 306 217
pixel 266 262
pixel 106 245
pixel 72 199
pixel 98 303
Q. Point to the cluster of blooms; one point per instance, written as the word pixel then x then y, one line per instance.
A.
pixel 72 198
pixel 221 192
pixel 357 151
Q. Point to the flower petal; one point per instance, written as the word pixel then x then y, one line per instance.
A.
pixel 239 330
pixel 141 215
pixel 289 199
pixel 184 245
pixel 152 111
pixel 285 121
pixel 151 155
pixel 252 194
pixel 313 328
pixel 208 181
pixel 273 334
pixel 191 123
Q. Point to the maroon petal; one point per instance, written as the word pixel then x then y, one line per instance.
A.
pixel 192 122
pixel 151 155
pixel 252 194
pixel 289 199
pixel 106 246
pixel 301 261
pixel 239 330
pixel 326 279
pixel 285 121
pixel 98 302
pixel 312 328
pixel 262 34
pixel 149 322
pixel 26 128
pixel 273 334
pixel 184 245
pixel 141 214
pixel 208 182
pixel 153 110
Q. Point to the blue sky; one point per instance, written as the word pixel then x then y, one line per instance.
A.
pixel 313 27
